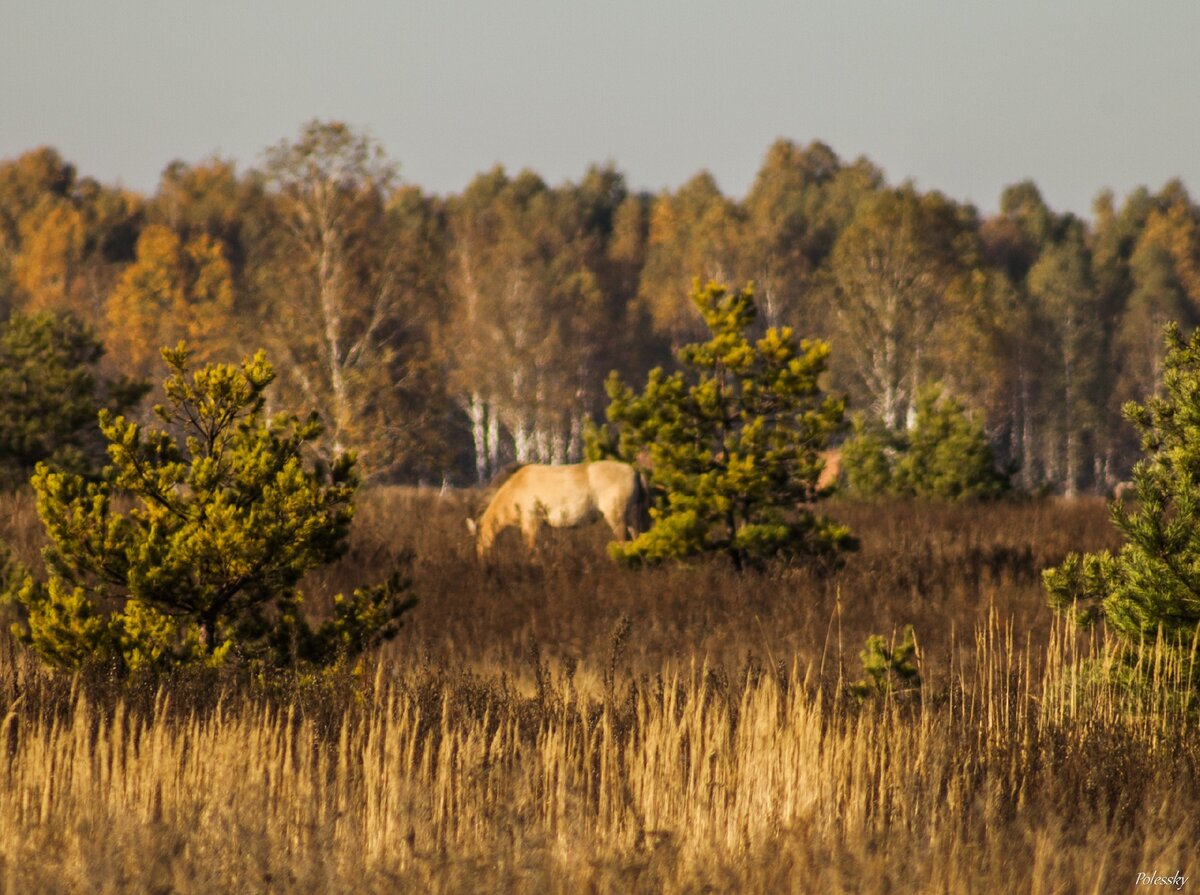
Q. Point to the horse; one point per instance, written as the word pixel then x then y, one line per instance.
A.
pixel 832 468
pixel 565 497
pixel 1125 491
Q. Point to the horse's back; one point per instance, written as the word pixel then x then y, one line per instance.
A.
pixel 560 493
pixel 611 479
pixel 601 477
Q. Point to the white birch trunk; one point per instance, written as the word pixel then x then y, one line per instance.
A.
pixel 541 440
pixel 493 439
pixel 477 412
pixel 522 443
pixel 575 440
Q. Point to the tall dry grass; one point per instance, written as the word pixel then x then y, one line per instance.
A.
pixel 525 736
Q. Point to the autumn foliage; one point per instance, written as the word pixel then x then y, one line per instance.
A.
pixel 448 336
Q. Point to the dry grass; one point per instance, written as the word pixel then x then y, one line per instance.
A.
pixel 521 737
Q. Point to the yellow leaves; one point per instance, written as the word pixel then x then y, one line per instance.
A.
pixel 662 222
pixel 52 247
pixel 693 229
pixel 1174 231
pixel 171 292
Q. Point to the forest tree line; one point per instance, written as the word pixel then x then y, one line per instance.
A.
pixel 442 337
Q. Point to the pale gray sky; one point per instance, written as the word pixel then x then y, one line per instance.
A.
pixel 961 96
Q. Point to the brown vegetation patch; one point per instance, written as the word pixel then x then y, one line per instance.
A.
pixel 558 724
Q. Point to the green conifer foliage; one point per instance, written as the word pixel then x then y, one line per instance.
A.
pixel 732 440
pixel 868 456
pixel 1153 582
pixel 190 546
pixel 945 456
pixel 50 394
pixel 889 669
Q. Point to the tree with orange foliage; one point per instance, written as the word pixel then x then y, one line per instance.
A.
pixel 173 291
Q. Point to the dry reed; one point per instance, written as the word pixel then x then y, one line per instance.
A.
pixel 614 758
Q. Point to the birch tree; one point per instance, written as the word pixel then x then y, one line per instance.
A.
pixel 1157 298
pixel 800 201
pixel 889 269
pixel 533 319
pixel 1068 327
pixel 332 305
pixel 693 233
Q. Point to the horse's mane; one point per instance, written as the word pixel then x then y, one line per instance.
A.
pixel 485 496
pixel 503 476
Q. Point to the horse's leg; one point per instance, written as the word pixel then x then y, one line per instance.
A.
pixel 615 517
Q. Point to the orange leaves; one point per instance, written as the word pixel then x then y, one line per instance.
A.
pixel 172 291
pixel 52 247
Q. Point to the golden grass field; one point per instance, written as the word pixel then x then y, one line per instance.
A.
pixel 558 724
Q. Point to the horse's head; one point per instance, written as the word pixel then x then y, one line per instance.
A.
pixel 483 535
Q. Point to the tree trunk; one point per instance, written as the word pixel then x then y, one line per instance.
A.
pixel 327 285
pixel 493 439
pixel 521 440
pixel 477 412
pixel 575 440
pixel 1027 435
pixel 541 439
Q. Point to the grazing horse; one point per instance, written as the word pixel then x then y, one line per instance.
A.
pixel 564 497
pixel 1125 491
pixel 832 469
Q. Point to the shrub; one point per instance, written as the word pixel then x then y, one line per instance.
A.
pixel 945 456
pixel 1152 583
pixel 50 395
pixel 224 518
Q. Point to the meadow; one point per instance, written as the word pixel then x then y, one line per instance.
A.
pixel 560 724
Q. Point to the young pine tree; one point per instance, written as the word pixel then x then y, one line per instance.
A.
pixel 733 442
pixel 50 393
pixel 868 458
pixel 1153 583
pixel 889 669
pixel 190 547
pixel 945 456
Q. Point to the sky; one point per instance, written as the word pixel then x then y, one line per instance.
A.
pixel 963 96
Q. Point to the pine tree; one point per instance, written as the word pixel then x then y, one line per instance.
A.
pixel 733 440
pixel 868 458
pixel 224 518
pixel 945 456
pixel 890 669
pixel 1153 582
pixel 50 394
